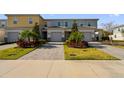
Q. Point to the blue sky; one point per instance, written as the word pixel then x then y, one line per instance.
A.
pixel 103 18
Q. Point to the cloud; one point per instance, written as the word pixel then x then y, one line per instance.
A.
pixel 111 15
pixel 116 14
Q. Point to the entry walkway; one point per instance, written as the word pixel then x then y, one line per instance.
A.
pixel 116 52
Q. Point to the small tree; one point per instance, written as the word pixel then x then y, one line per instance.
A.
pixel 75 36
pixel 108 26
pixel 74 27
pixel 36 32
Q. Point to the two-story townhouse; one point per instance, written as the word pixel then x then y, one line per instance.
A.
pixel 50 29
pixel 118 33
pixel 19 22
pixel 60 29
pixel 3 23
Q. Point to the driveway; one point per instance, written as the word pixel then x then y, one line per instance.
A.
pixel 61 68
pixel 116 52
pixel 7 46
pixel 49 51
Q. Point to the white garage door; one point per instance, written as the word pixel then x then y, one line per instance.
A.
pixel 13 36
pixel 88 36
pixel 56 36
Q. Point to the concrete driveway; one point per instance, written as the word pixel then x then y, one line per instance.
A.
pixel 7 46
pixel 116 52
pixel 61 69
pixel 49 51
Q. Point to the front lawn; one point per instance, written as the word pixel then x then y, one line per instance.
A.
pixel 14 53
pixel 86 54
pixel 119 46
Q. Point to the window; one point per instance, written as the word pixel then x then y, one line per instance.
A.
pixel 89 24
pixel 66 24
pixel 59 24
pixel 115 36
pixel 81 25
pixel 45 25
pixel 30 21
pixel 3 25
pixel 118 29
pixel 15 20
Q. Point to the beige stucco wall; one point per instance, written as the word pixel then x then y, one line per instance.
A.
pixel 2 35
pixel 23 20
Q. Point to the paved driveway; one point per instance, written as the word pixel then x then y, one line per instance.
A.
pixel 7 46
pixel 116 52
pixel 61 68
pixel 50 51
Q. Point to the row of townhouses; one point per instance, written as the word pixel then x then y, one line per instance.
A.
pixel 50 29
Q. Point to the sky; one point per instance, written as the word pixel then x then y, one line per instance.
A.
pixel 103 18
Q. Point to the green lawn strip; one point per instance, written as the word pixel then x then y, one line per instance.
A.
pixel 86 54
pixel 119 46
pixel 14 53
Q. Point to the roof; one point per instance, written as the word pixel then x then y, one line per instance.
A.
pixel 24 15
pixel 49 19
pixel 69 19
pixel 3 19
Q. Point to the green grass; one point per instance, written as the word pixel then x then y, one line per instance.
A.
pixel 118 40
pixel 119 46
pixel 14 53
pixel 86 54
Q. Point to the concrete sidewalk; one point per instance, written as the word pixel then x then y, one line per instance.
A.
pixel 61 69
pixel 116 52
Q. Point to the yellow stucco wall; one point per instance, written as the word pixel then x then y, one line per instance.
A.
pixel 23 20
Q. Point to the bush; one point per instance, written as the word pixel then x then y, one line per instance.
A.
pixel 105 38
pixel 26 44
pixel 76 40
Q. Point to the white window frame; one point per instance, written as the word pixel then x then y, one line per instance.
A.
pixel 30 20
pixel 15 20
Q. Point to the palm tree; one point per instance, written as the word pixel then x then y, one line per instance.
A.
pixel 25 35
pixel 34 35
pixel 74 27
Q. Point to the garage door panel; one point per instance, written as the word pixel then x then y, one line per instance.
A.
pixel 88 36
pixel 56 36
pixel 13 36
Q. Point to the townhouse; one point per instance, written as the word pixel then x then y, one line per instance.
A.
pixel 50 29
pixel 3 24
pixel 118 33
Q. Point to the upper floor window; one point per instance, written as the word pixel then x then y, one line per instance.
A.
pixel 15 20
pixel 89 24
pixel 66 24
pixel 59 24
pixel 81 25
pixel 3 25
pixel 30 21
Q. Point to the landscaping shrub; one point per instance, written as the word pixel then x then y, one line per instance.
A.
pixel 26 44
pixel 76 38
pixel 105 38
pixel 30 38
